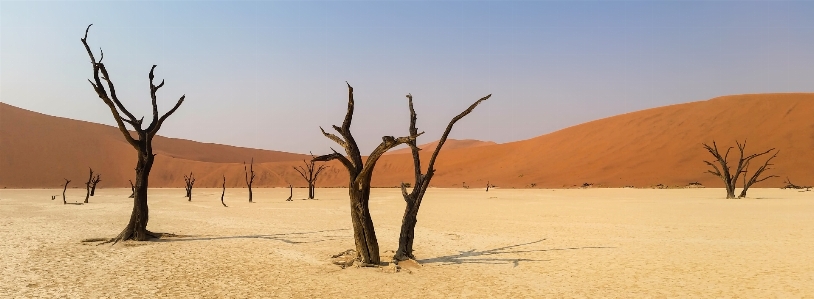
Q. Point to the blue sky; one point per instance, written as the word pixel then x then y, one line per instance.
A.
pixel 266 74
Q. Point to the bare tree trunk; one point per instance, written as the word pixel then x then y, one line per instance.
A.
pixel 249 179
pixel 367 247
pixel 136 228
pixel 291 193
pixel 223 192
pixel 364 235
pixel 64 201
pixel 87 186
pixel 422 182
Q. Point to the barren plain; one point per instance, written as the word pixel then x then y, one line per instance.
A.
pixel 510 243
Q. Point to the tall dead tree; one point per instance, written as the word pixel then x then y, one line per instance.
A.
pixel 188 182
pixel 310 174
pixel 136 228
pixel 249 178
pixel 422 181
pixel 223 192
pixel 726 174
pixel 364 235
pixel 65 201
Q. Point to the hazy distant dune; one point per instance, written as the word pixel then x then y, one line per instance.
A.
pixel 644 148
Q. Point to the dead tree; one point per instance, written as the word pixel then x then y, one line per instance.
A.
pixel 291 193
pixel 132 190
pixel 364 235
pixel 487 186
pixel 790 185
pixel 136 228
pixel 730 178
pixel 65 201
pixel 87 185
pixel 422 182
pixel 94 182
pixel 249 179
pixel 223 192
pixel 310 174
pixel 188 182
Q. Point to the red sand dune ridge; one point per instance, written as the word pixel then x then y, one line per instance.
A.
pixel 450 144
pixel 641 149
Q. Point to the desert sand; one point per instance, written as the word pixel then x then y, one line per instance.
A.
pixel 576 243
pixel 641 149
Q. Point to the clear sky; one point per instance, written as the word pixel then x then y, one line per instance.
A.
pixel 266 74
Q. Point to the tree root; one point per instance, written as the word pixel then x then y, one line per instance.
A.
pixel 129 234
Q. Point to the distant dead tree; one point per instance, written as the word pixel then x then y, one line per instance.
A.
pixel 310 174
pixel 722 169
pixel 223 192
pixel 249 179
pixel 65 201
pixel 790 185
pixel 291 193
pixel 364 235
pixel 132 190
pixel 90 186
pixel 487 186
pixel 136 228
pixel 188 182
pixel 95 182
pixel 422 181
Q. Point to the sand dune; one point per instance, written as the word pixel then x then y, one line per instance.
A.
pixel 450 144
pixel 640 149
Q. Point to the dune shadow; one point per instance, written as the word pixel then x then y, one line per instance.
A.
pixel 477 257
pixel 290 238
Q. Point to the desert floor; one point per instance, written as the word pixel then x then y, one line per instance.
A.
pixel 470 243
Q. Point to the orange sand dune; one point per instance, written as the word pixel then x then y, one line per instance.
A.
pixel 38 150
pixel 448 145
pixel 640 149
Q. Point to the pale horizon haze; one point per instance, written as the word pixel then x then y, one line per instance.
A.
pixel 267 74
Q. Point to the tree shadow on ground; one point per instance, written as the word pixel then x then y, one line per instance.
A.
pixel 476 257
pixel 290 238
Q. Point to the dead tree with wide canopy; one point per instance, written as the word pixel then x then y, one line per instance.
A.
pixel 136 228
pixel 364 235
pixel 722 169
pixel 310 173
pixel 422 182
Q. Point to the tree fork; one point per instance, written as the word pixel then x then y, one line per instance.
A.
pixel 360 173
pixel 422 181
